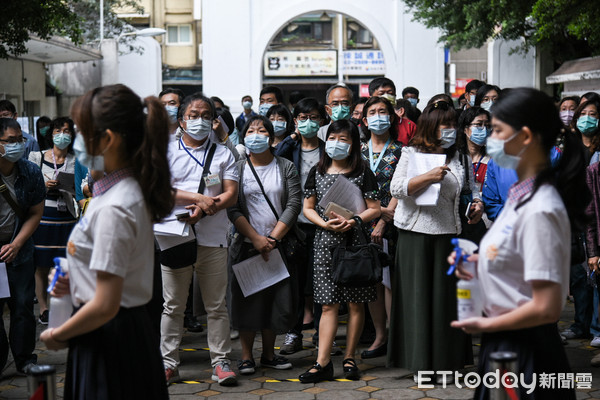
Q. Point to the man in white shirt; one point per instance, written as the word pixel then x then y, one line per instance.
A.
pixel 188 160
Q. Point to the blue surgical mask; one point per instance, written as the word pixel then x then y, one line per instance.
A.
pixel 279 127
pixel 198 129
pixel 587 125
pixel 92 162
pixel 337 150
pixel 308 128
pixel 487 105
pixel 263 108
pixel 448 138
pixel 495 148
pixel 172 112
pixel 478 135
pixel 247 105
pixel 340 112
pixel 472 100
pixel 62 140
pixel 256 143
pixel 413 102
pixel 379 124
pixel 13 151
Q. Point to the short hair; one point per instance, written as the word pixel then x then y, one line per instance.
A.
pixel 433 116
pixel 474 85
pixel 411 112
pixel 216 99
pixel 332 88
pixel 194 97
pixel 281 109
pixel 7 105
pixel 361 100
pixel 8 123
pixel 174 91
pixel 308 104
pixel 589 96
pixel 57 123
pixel 246 96
pixel 410 90
pixel 266 123
pixel 275 90
pixel 379 83
pixel 296 96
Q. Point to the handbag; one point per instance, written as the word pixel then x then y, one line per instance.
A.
pixel 357 265
pixel 185 254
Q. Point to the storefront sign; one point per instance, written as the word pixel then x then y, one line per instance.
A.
pixel 300 63
pixel 363 62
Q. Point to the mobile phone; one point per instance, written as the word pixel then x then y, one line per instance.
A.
pixel 182 215
pixel 336 208
pixel 468 212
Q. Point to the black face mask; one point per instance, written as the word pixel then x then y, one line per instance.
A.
pixel 355 120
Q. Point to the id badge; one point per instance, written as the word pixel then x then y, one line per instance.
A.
pixel 212 180
pixel 61 205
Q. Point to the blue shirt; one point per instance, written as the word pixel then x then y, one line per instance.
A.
pixel 30 145
pixel 80 173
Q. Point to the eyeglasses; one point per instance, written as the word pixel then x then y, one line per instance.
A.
pixel 339 103
pixel 312 117
pixel 14 141
pixel 481 125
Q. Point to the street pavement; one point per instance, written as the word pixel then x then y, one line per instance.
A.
pixel 377 382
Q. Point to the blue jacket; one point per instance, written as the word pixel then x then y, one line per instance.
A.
pixel 290 149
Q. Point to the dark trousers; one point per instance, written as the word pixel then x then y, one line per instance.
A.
pixel 22 320
pixel 305 276
pixel 582 297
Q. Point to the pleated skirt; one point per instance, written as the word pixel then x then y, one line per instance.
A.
pixel 51 236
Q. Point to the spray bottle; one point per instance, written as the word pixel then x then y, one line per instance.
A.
pixel 61 308
pixel 468 293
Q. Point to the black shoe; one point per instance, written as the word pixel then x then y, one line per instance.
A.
pixel 378 352
pixel 321 374
pixel 192 325
pixel 351 371
pixel 43 319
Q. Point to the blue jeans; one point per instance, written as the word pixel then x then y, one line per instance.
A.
pixel 582 297
pixel 22 320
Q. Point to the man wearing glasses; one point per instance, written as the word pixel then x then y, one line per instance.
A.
pixel 22 194
pixel 8 110
pixel 339 104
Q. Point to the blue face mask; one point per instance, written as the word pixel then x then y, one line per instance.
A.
pixel 172 113
pixel 62 140
pixel 587 125
pixel 413 102
pixel 247 105
pixel 337 150
pixel 379 124
pixel 478 135
pixel 448 138
pixel 198 129
pixel 472 100
pixel 95 163
pixel 13 151
pixel 487 105
pixel 308 128
pixel 340 112
pixel 256 143
pixel 263 108
pixel 279 127
pixel 495 148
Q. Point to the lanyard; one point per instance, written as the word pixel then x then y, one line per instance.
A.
pixel 476 168
pixel 55 168
pixel 194 158
pixel 375 164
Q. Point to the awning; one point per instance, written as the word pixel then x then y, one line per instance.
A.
pixel 57 50
pixel 576 70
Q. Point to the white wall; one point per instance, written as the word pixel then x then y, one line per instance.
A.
pixel 142 72
pixel 232 59
pixel 510 70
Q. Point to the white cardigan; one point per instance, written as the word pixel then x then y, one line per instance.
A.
pixel 408 212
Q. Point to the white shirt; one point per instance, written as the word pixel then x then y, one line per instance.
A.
pixel 308 159
pixel 261 216
pixel 211 231
pixel 114 236
pixel 531 243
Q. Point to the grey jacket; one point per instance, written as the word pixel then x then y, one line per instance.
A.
pixel 291 200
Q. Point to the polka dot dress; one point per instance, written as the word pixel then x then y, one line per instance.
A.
pixel 325 290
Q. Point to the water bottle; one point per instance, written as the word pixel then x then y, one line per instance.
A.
pixel 61 308
pixel 468 293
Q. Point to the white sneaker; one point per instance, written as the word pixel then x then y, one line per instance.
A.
pixel 234 334
pixel 595 341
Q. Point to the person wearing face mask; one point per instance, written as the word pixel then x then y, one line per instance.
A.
pixel 339 106
pixel 424 296
pixel 22 196
pixel 486 96
pixel 471 92
pixel 43 127
pixel 304 149
pixel 8 110
pixel 383 87
pixel 585 122
pixel 523 262
pixel 246 114
pixel 342 157
pixel 171 99
pixel 282 121
pixel 411 94
pixel 268 204
pixel 269 96
pixel 566 109
pixel 382 151
pixel 59 214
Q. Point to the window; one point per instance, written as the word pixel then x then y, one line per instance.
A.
pixel 179 35
pixel 305 32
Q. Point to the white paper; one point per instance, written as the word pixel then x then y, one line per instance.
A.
pixel 223 124
pixel 4 289
pixel 170 227
pixel 165 242
pixel 256 274
pixel 420 163
pixel 346 194
pixel 386 278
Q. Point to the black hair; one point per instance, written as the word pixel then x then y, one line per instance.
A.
pixel 464 120
pixel 282 110
pixel 227 118
pixel 7 105
pixel 483 90
pixel 390 109
pixel 575 99
pixel 589 96
pixel 356 161
pixel 474 84
pixel 410 111
pixel 594 136
pixel 43 141
pixel 57 123
pixel 527 107
pixel 361 100
pixel 247 96
pixel 266 123
pixel 8 123
pixel 441 97
pixel 194 97
pixel 296 96
pixel 410 90
pixel 379 83
pixel 216 99
pixel 308 104
pixel 174 91
pixel 275 90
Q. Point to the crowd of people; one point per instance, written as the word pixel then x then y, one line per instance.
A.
pixel 518 175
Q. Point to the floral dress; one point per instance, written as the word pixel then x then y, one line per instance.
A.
pixel 325 290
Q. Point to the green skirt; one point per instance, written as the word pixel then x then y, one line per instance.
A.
pixel 423 305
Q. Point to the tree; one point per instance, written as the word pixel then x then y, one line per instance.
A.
pixel 566 28
pixel 79 20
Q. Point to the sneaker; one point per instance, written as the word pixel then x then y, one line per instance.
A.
pixel 277 362
pixel 291 344
pixel 26 369
pixel 335 350
pixel 595 341
pixel 223 374
pixel 570 334
pixel 234 334
pixel 246 367
pixel 43 319
pixel 172 375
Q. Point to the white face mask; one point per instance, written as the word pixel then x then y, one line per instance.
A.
pixel 198 129
pixel 95 163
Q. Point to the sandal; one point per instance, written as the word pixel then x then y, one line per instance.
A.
pixel 351 370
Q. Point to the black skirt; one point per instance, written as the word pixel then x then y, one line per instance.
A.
pixel 539 350
pixel 118 361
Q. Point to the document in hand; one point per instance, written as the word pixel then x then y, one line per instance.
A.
pixel 171 232
pixel 256 274
pixel 66 182
pixel 420 163
pixel 346 194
